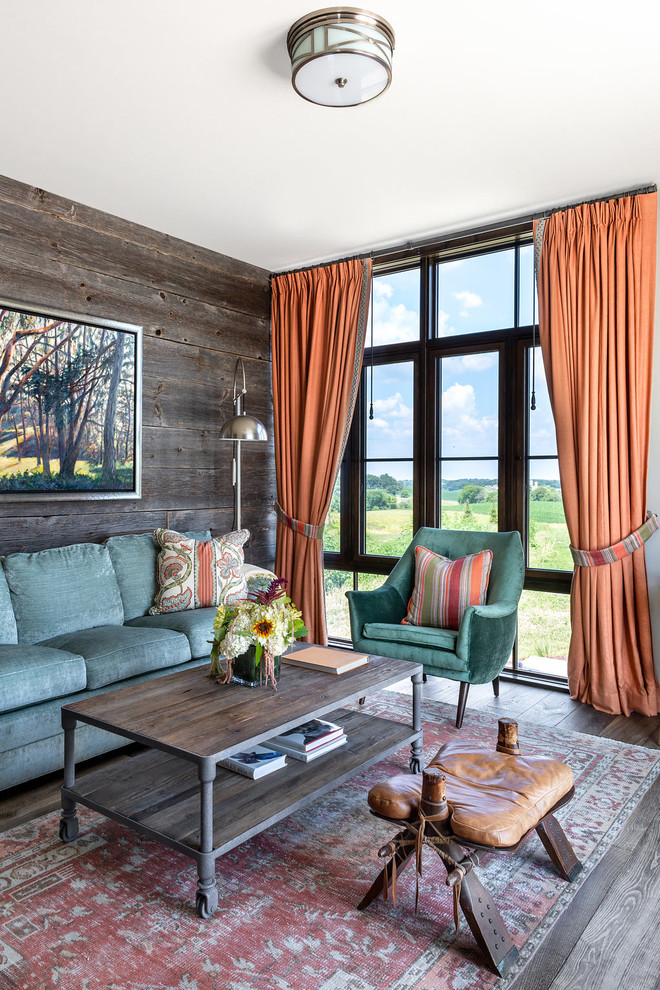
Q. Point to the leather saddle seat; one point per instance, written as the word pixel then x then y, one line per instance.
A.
pixel 494 799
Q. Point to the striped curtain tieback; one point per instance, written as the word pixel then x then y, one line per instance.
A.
pixel 593 558
pixel 303 528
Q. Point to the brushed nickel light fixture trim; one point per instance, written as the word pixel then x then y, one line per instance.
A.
pixel 340 56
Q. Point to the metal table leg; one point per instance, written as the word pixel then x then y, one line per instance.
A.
pixel 69 820
pixel 416 760
pixel 206 900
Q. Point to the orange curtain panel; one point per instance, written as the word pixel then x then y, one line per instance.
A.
pixel 318 325
pixel 596 284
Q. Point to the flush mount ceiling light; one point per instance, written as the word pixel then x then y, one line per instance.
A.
pixel 340 56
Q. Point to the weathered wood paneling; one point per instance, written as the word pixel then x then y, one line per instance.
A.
pixel 200 311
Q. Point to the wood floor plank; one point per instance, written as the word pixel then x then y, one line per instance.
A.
pixel 559 944
pixel 586 719
pixel 551 708
pixel 636 729
pixel 620 946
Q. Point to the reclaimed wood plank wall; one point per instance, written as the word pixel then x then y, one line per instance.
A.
pixel 199 311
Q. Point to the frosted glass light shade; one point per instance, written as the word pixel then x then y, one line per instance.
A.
pixel 341 56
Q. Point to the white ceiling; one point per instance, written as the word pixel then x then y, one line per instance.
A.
pixel 181 116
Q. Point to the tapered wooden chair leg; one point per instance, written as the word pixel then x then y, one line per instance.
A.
pixel 462 702
pixel 402 858
pixel 496 687
pixel 558 847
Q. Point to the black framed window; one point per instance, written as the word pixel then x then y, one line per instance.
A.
pixel 443 434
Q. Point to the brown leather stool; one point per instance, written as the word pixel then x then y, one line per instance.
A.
pixel 487 801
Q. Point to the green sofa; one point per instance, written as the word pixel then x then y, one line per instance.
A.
pixel 476 652
pixel 74 622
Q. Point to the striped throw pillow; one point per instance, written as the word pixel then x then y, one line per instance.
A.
pixel 197 574
pixel 444 588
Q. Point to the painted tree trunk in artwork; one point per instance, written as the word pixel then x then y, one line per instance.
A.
pixel 111 413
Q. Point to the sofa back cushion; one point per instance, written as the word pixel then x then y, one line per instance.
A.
pixel 62 590
pixel 134 559
pixel 8 631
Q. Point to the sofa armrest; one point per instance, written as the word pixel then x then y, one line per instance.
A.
pixel 485 639
pixel 384 604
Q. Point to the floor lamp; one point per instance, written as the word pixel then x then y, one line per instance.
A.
pixel 240 428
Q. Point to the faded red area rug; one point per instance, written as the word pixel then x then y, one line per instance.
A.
pixel 114 911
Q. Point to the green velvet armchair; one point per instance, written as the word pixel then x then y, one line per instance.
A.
pixel 477 651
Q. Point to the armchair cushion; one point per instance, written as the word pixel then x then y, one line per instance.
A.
pixel 444 588
pixel 443 639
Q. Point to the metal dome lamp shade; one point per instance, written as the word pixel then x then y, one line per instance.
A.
pixel 240 428
pixel 341 56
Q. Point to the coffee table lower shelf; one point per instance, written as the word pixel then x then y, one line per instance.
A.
pixel 158 794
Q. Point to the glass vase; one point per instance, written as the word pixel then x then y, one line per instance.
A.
pixel 246 671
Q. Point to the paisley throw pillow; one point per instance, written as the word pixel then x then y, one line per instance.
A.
pixel 197 574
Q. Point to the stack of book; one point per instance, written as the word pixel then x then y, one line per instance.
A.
pixel 310 740
pixel 256 762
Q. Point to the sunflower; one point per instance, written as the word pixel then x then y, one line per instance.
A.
pixel 263 628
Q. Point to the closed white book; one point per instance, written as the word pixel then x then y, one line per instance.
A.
pixel 314 753
pixel 255 762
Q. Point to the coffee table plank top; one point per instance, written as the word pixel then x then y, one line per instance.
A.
pixel 189 714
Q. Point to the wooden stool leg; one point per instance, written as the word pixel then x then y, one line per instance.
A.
pixel 402 859
pixel 558 847
pixel 462 702
pixel 485 921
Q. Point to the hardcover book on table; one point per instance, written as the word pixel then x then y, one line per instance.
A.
pixel 308 735
pixel 326 659
pixel 256 762
pixel 313 754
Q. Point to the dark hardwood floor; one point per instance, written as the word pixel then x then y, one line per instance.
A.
pixel 608 937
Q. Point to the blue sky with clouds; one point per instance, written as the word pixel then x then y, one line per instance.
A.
pixel 474 294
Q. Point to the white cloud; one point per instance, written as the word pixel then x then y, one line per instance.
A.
pixel 470 300
pixel 473 362
pixel 392 323
pixel 463 430
pixel 458 398
pixel 393 406
pixel 444 329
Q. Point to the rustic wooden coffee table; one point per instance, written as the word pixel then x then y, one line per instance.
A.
pixel 174 791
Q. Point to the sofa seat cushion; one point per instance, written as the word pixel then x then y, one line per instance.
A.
pixel 493 798
pixel 441 639
pixel 32 674
pixel 60 590
pixel 134 558
pixel 195 624
pixel 112 653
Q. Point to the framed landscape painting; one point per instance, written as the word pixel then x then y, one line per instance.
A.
pixel 70 405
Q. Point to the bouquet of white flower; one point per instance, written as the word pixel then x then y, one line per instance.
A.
pixel 267 620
